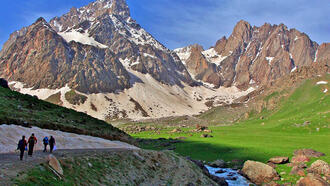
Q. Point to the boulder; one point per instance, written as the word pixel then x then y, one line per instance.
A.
pixel 219 181
pixel 309 153
pixel 176 130
pixel 272 184
pixel 312 180
pixel 220 171
pixel 259 173
pixel 320 167
pixel 55 164
pixel 300 159
pixel 297 170
pixel 200 164
pixel 201 128
pixel 218 164
pixel 207 131
pixel 206 136
pixel 279 160
pixel 272 164
pixel 3 83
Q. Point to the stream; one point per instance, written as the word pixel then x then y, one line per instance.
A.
pixel 232 177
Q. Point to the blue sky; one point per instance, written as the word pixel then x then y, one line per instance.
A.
pixel 177 23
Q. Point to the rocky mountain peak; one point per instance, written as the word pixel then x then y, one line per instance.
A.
pixel 242 30
pixel 90 49
pixel 254 55
pixel 90 12
pixel 220 45
pixel 41 19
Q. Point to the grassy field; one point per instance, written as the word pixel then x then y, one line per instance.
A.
pixel 279 133
pixel 25 110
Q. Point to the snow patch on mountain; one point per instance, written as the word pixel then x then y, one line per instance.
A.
pixel 294 69
pixel 157 100
pixel 183 53
pixel 43 93
pixel 213 57
pixel 82 38
pixel 322 83
pixel 137 35
pixel 269 59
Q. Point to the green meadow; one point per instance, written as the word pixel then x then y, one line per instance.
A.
pixel 278 133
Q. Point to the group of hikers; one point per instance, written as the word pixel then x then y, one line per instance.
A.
pixel 23 144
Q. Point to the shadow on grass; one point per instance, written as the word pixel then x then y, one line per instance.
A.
pixel 203 150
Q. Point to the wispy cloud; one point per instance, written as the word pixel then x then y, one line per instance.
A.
pixel 179 23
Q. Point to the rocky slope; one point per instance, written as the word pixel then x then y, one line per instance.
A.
pixel 105 167
pixel 253 55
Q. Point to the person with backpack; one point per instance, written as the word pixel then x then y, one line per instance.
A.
pixel 46 142
pixel 22 144
pixel 52 143
pixel 32 141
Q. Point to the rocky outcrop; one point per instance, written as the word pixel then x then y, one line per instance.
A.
pixel 55 164
pixel 323 53
pixel 312 180
pixel 310 153
pixel 256 55
pixel 300 159
pixel 298 169
pixel 200 68
pixel 90 49
pixel 259 173
pixel 218 164
pixel 320 167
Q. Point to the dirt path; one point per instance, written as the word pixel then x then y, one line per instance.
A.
pixel 11 166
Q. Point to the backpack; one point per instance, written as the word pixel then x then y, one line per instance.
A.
pixel 31 140
pixel 46 140
pixel 20 144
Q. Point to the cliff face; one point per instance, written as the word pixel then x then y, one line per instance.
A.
pixel 254 55
pixel 89 49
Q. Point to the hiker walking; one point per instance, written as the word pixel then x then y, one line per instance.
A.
pixel 52 143
pixel 32 140
pixel 22 147
pixel 46 142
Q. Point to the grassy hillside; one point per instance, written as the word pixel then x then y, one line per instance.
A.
pixel 301 119
pixel 118 168
pixel 25 110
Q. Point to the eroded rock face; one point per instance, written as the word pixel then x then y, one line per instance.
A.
pixel 257 55
pixel 90 49
pixel 259 172
pixel 323 53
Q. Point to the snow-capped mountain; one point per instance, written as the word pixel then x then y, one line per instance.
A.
pixel 97 59
pixel 252 55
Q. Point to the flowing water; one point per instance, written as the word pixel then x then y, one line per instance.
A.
pixel 232 177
